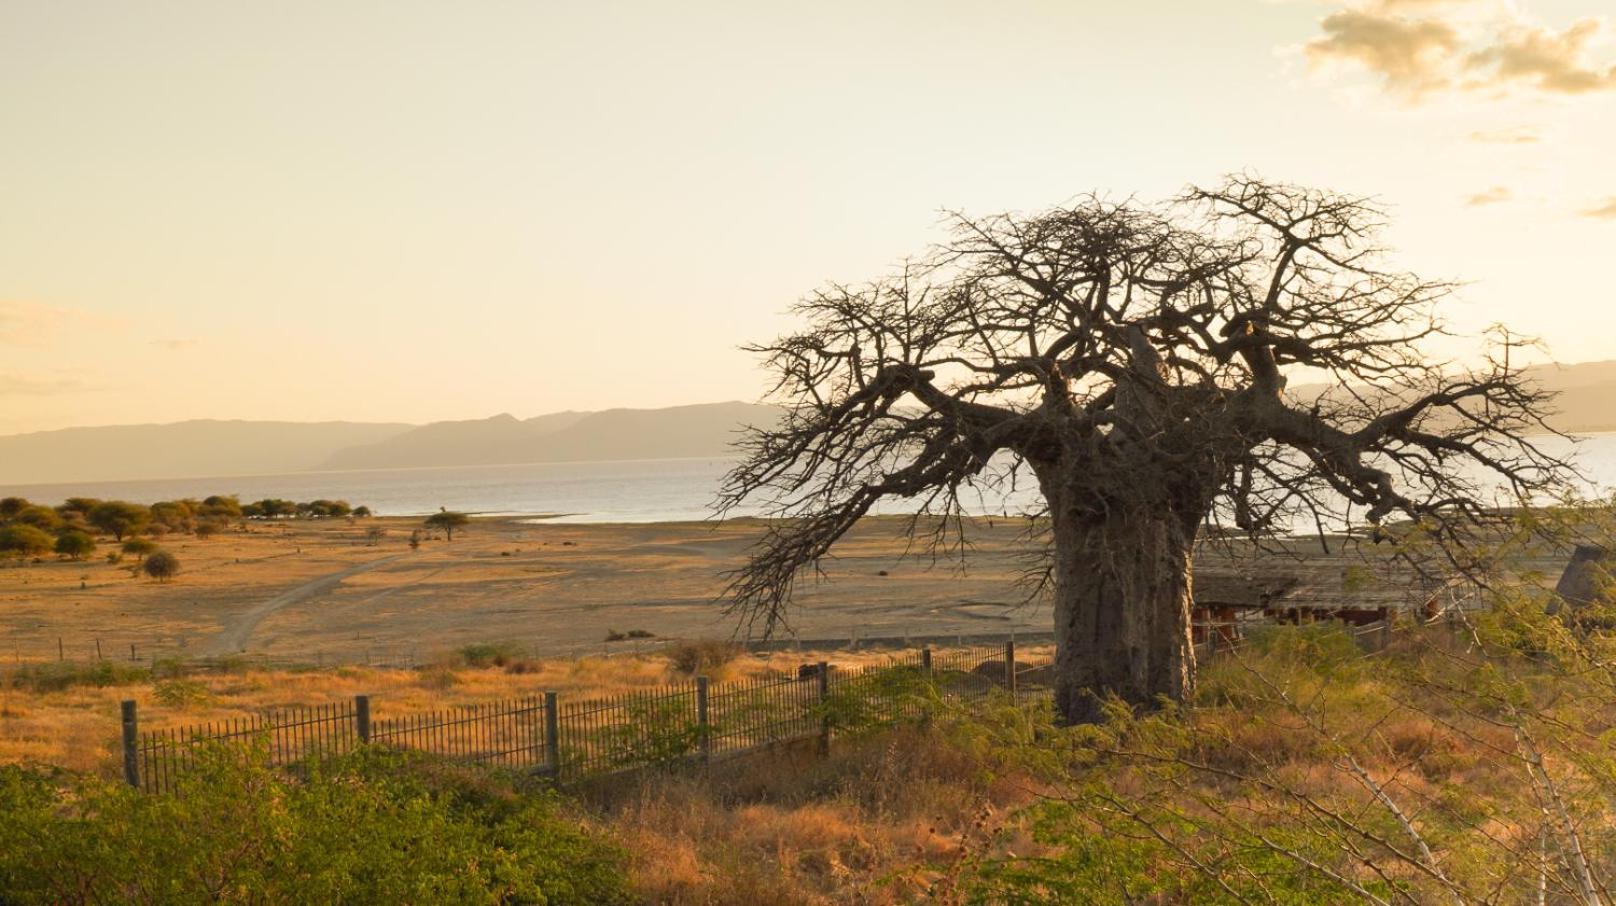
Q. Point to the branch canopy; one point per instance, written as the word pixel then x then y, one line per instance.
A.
pixel 1135 356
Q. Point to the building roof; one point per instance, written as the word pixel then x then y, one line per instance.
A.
pixel 1308 580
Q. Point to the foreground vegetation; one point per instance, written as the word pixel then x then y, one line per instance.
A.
pixel 1468 763
pixel 374 828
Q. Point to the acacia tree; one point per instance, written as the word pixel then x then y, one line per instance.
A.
pixel 1133 359
pixel 448 521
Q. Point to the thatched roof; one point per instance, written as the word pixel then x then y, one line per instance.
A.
pixel 1587 578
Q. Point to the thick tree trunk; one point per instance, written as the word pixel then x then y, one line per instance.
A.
pixel 1122 610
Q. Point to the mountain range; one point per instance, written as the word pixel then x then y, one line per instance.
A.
pixel 205 448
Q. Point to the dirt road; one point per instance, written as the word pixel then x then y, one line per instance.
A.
pixel 233 637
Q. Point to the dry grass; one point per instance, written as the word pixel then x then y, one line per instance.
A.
pixel 883 820
pixel 78 728
pixel 554 589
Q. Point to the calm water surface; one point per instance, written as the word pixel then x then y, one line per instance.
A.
pixel 654 490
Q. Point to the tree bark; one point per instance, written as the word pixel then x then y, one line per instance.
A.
pixel 1122 609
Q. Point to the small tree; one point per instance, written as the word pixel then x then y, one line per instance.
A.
pixel 208 528
pixel 162 566
pixel 119 518
pixel 374 535
pixel 362 512
pixel 24 541
pixel 75 545
pixel 415 540
pixel 221 506
pixel 448 521
pixel 77 506
pixel 11 506
pixel 139 548
pixel 40 517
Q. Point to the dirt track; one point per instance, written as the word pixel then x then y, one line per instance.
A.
pixel 319 588
pixel 233 638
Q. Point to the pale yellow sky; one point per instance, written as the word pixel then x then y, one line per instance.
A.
pixel 415 211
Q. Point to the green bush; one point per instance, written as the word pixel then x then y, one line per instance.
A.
pixel 162 566
pixel 139 547
pixel 59 675
pixel 375 827
pixel 491 654
pixel 25 540
pixel 179 692
pixel 75 545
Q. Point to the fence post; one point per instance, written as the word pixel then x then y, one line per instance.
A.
pixel 131 734
pixel 1385 632
pixel 703 742
pixel 1010 667
pixel 552 737
pixel 925 660
pixel 824 697
pixel 362 716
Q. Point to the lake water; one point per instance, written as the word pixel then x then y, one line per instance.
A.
pixel 632 491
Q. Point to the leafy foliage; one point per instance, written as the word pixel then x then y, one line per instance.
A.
pixel 161 566
pixel 373 828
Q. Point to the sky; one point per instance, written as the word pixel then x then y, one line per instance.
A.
pixel 411 211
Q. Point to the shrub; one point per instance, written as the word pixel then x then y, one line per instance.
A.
pixel 179 692
pixel 54 677
pixel 42 518
pixel 495 654
pixel 24 541
pixel 702 655
pixel 373 827
pixel 119 518
pixel 139 547
pixel 75 545
pixel 162 566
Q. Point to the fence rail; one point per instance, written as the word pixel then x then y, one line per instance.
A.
pixel 578 739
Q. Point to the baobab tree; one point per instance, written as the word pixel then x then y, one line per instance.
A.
pixel 1133 359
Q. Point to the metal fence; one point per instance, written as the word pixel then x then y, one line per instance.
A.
pixel 573 740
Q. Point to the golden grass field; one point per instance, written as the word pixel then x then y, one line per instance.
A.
pixel 317 590
pixel 78 727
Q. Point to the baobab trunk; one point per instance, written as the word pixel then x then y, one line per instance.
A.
pixel 1122 610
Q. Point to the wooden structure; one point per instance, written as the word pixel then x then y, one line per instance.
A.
pixel 1301 586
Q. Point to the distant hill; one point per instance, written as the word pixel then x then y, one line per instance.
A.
pixel 1586 402
pixel 206 448
pixel 180 450
pixel 701 430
